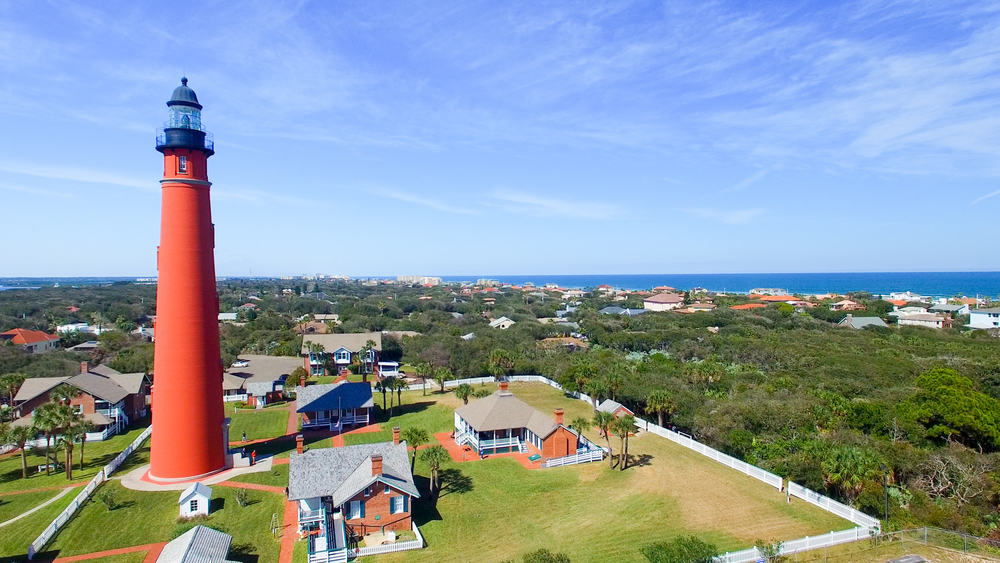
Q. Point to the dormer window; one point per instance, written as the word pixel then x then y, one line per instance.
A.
pixel 182 165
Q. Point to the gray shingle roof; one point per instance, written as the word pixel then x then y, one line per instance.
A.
pixel 610 406
pixel 329 396
pixel 947 308
pixel 200 544
pixel 986 310
pixel 99 386
pixel 862 322
pixel 353 341
pixel 502 410
pixel 198 488
pixel 130 382
pixel 105 370
pixel 342 472
pixel 35 386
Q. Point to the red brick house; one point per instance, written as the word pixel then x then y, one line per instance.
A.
pixel 109 399
pixel 502 423
pixel 615 408
pixel 33 341
pixel 349 492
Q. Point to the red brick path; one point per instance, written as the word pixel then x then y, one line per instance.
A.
pixel 152 552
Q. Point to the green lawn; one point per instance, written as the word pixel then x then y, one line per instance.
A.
pixel 145 517
pixel 15 538
pixel 258 424
pixel 590 512
pixel 96 456
pixel 276 477
pixel 12 505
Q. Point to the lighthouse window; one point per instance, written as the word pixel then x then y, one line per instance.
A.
pixel 182 164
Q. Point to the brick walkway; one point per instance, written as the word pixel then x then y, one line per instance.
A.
pixel 152 552
pixel 252 487
pixel 289 529
pixel 462 454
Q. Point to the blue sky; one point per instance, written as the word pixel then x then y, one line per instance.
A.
pixel 503 138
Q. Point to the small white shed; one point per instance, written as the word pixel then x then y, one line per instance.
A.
pixel 195 500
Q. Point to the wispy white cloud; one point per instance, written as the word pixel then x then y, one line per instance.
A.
pixel 748 181
pixel 985 197
pixel 73 174
pixel 422 201
pixel 524 202
pixel 34 191
pixel 728 216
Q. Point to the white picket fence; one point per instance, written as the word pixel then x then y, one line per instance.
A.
pixel 828 504
pixel 803 544
pixel 585 457
pixel 390 548
pixel 46 536
pixel 725 459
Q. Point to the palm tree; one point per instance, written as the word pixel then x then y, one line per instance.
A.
pixel 20 435
pixel 661 403
pixel 423 372
pixel 441 375
pixel 580 424
pixel 399 385
pixel 501 361
pixel 463 392
pixel 63 393
pixel 72 431
pixel 47 418
pixel 434 456
pixel 604 421
pixel 613 383
pixel 414 438
pixel 380 387
pixel 388 386
pixel 595 388
pixel 10 383
pixel 84 426
pixel 623 427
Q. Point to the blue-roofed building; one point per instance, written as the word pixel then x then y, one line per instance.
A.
pixel 334 405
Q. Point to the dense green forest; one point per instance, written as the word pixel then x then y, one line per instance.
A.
pixel 839 410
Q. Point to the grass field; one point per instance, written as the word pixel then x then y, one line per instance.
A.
pixel 96 456
pixel 145 517
pixel 15 538
pixel 12 505
pixel 258 424
pixel 276 477
pixel 590 512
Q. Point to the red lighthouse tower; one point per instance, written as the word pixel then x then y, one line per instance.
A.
pixel 189 435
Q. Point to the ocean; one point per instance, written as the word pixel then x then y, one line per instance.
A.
pixel 935 284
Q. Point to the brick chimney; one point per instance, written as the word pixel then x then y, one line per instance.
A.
pixel 395 435
pixel 84 367
pixel 503 385
pixel 299 441
pixel 559 416
pixel 376 465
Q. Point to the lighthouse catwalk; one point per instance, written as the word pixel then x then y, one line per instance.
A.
pixel 189 429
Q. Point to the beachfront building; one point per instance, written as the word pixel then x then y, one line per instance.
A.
pixel 926 320
pixel 987 318
pixel 663 302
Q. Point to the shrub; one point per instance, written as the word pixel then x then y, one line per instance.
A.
pixel 685 549
pixel 109 498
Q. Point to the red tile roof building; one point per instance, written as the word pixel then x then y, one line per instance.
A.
pixel 34 341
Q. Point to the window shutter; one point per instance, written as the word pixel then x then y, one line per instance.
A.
pixel 362 510
pixel 406 507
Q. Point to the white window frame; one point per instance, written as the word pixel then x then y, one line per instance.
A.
pixel 354 510
pixel 392 505
pixel 182 164
pixel 193 505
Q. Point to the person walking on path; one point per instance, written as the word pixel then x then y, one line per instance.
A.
pixel 253 457
pixel 244 436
